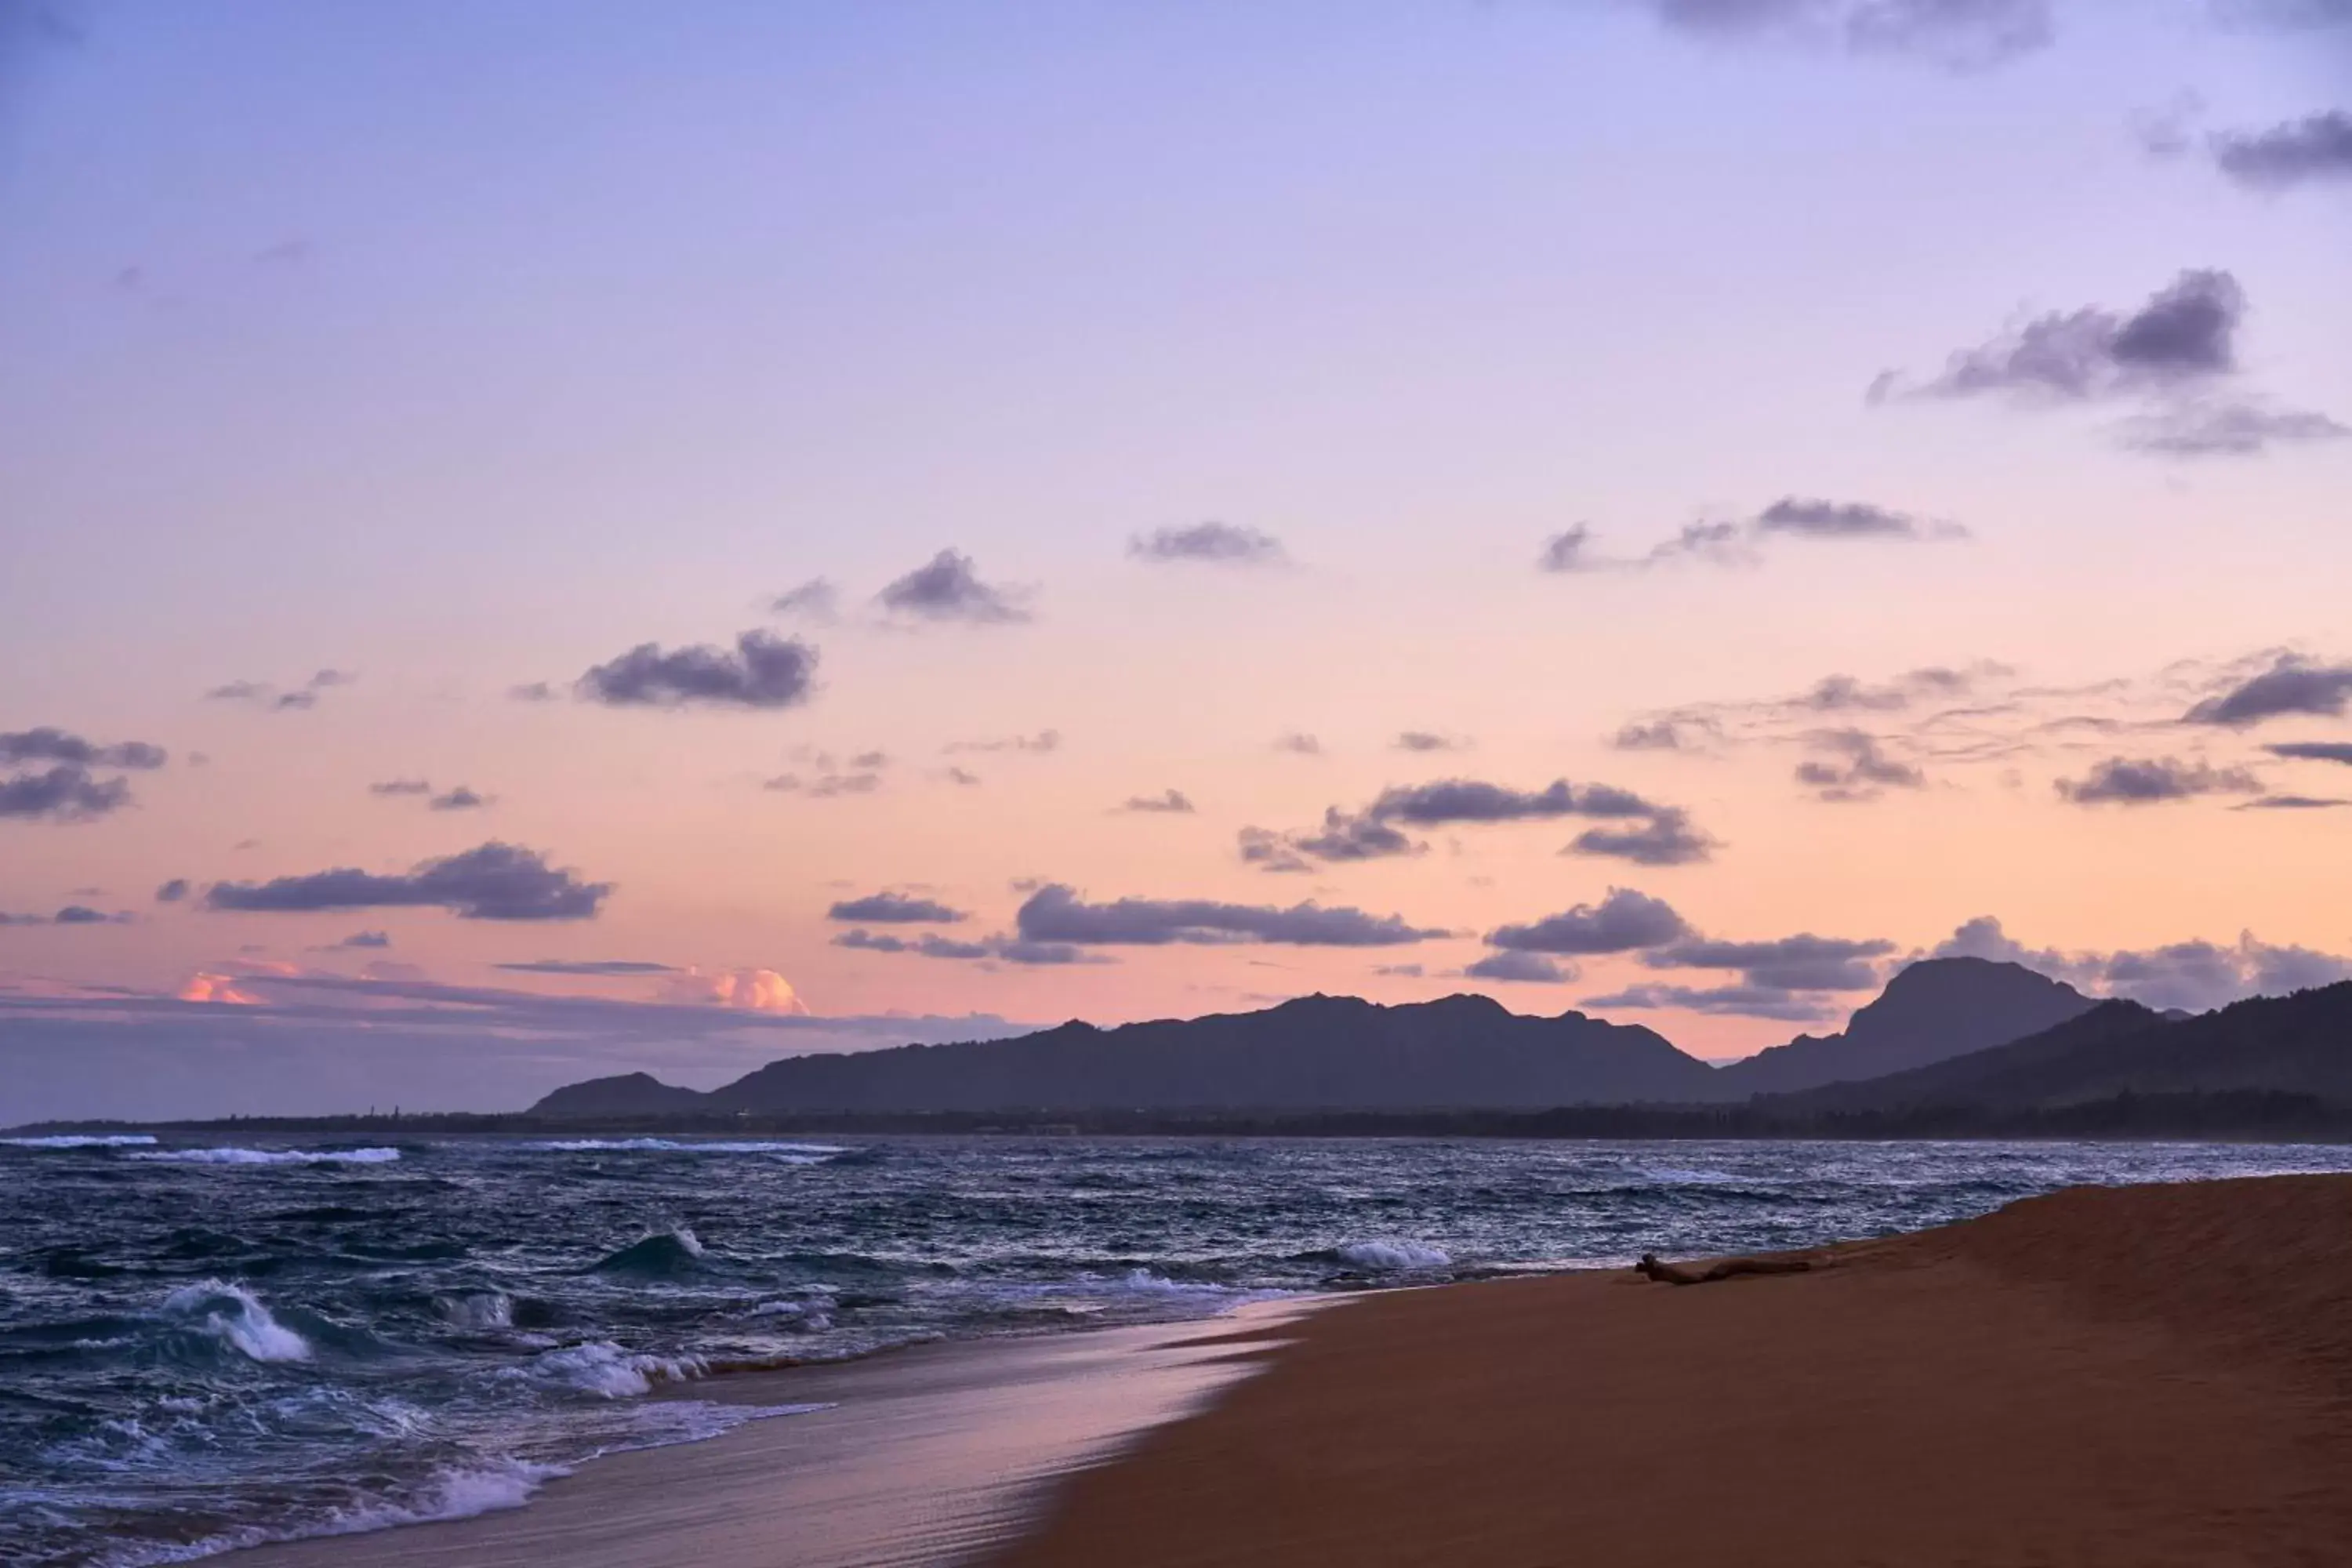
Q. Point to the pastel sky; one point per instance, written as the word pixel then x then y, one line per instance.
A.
pixel 819 525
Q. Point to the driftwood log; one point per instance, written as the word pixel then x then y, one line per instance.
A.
pixel 1722 1268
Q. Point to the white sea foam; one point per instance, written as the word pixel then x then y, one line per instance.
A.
pixel 270 1156
pixel 791 1153
pixel 1394 1257
pixel 603 1368
pixel 235 1316
pixel 81 1141
pixel 478 1309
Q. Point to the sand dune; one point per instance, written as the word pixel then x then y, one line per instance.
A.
pixel 2141 1377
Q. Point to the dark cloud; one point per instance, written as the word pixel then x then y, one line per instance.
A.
pixel 492 881
pixel 1570 549
pixel 2314 751
pixel 62 794
pixel 1853 766
pixel 2292 685
pixel 1222 542
pixel 824 786
pixel 1475 800
pixel 2316 147
pixel 1299 743
pixel 895 909
pixel 83 915
pixel 2292 803
pixel 594 966
pixel 402 786
pixel 1055 913
pixel 1740 1001
pixel 1815 518
pixel 816 599
pixel 2186 332
pixel 1960 36
pixel 1530 967
pixel 1666 840
pixel 173 892
pixel 763 671
pixel 1801 963
pixel 1042 741
pixel 458 799
pixel 1623 921
pixel 1168 802
pixel 947 588
pixel 2141 781
pixel 48 744
pixel 1430 741
pixel 366 939
pixel 1270 851
pixel 1665 736
pixel 2209 428
pixel 262 694
pixel 1342 837
pixel 929 945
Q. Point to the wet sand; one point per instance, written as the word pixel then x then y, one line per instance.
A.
pixel 928 1455
pixel 2137 1377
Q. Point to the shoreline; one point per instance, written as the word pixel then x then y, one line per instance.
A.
pixel 921 1455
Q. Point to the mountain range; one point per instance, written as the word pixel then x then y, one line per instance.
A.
pixel 1953 1031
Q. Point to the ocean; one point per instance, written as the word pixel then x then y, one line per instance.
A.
pixel 208 1343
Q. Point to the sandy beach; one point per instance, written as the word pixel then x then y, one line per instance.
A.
pixel 2142 1376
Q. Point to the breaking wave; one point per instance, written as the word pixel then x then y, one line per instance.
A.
pixel 269 1156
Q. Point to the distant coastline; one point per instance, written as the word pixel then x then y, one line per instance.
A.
pixel 2234 1115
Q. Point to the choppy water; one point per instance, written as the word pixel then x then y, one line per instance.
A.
pixel 203 1346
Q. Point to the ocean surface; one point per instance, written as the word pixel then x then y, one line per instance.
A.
pixel 205 1344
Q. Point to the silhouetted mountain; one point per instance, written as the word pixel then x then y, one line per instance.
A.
pixel 630 1094
pixel 1935 1009
pixel 1323 1053
pixel 2286 1045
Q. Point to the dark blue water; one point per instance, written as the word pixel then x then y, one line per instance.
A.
pixel 203 1346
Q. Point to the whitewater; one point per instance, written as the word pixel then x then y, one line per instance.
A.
pixel 209 1342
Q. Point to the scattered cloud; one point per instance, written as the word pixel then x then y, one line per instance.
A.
pixel 1673 734
pixel 2140 781
pixel 962 777
pixel 816 600
pixel 2316 148
pixel 895 909
pixel 1168 802
pixel 401 787
pixel 1801 963
pixel 532 691
pixel 492 881
pixel 1532 968
pixel 1043 741
pixel 2186 332
pixel 1399 971
pixel 1430 741
pixel 458 799
pixel 1853 766
pixel 2225 428
pixel 763 671
pixel 262 694
pixel 737 990
pixel 173 892
pixel 1475 800
pixel 1570 549
pixel 2292 803
pixel 71 915
pixel 1055 913
pixel 1959 35
pixel 366 939
pixel 62 794
pixel 824 786
pixel 2193 975
pixel 2292 685
pixel 1623 921
pixel 1811 518
pixel 1666 840
pixel 1299 743
pixel 1223 544
pixel 2314 751
pixel 601 967
pixel 931 944
pixel 48 744
pixel 947 588
pixel 1742 1001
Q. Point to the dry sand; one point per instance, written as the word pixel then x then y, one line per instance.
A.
pixel 2137 1377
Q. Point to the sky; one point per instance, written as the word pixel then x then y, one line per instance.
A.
pixel 551 539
